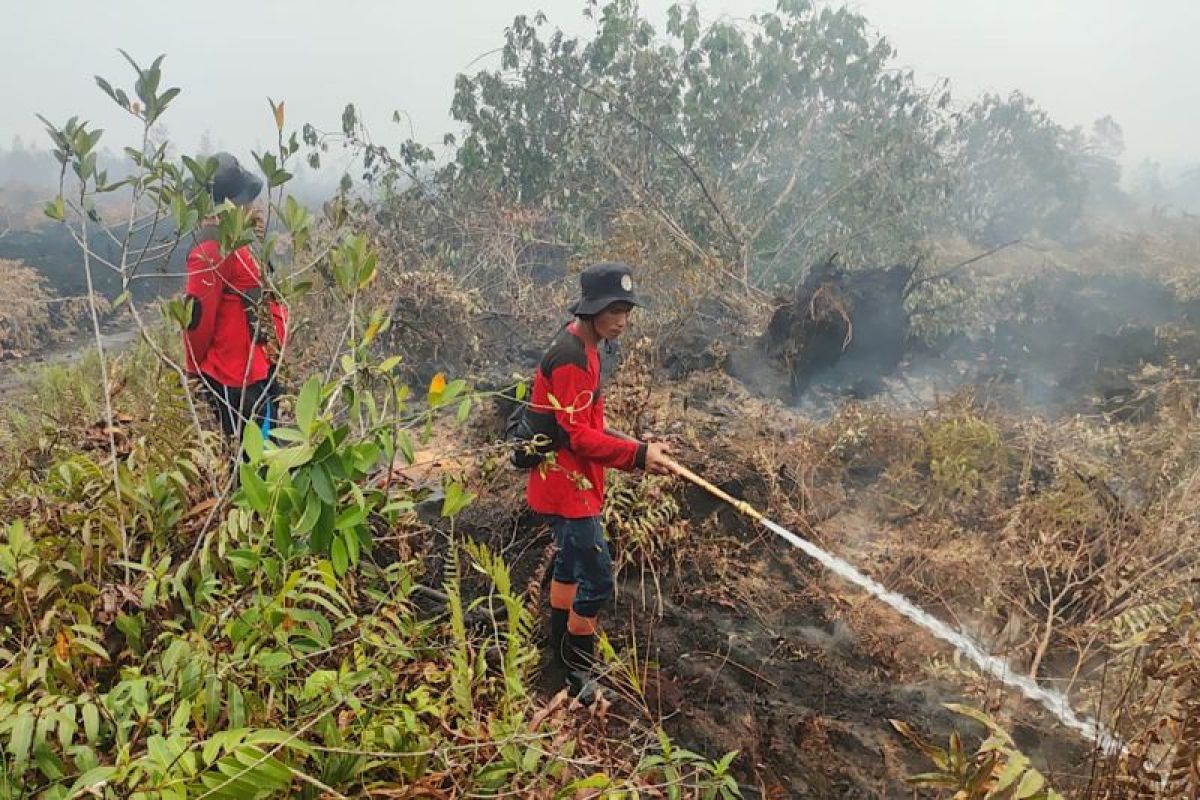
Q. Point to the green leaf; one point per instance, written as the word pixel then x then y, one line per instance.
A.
pixel 288 435
pixel 107 88
pixel 339 556
pixel 244 559
pixel 352 517
pixel 283 536
pixel 307 403
pixel 1030 785
pixel 312 512
pixel 157 749
pixel 252 443
pixel 323 485
pixel 94 778
pixel 464 410
pixel 405 446
pixel 1015 767
pixel 323 531
pixel 91 646
pixel 48 762
pixel 365 456
pixel 254 488
pixel 56 209
pixel 182 716
pixel 237 705
pixel 940 780
pixel 91 722
pixel 67 727
pixel 21 738
pixel 350 537
pixel 456 499
pixel 319 683
pixel 597 780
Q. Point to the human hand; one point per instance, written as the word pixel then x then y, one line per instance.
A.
pixel 658 460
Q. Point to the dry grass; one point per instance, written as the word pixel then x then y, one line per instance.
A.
pixel 31 317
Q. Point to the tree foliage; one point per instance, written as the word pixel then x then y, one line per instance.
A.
pixel 1016 171
pixel 768 141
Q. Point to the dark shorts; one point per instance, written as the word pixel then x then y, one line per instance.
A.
pixel 583 558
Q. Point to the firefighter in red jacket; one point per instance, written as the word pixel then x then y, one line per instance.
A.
pixel 570 491
pixel 231 344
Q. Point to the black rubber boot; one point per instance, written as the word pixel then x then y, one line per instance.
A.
pixel 558 632
pixel 581 684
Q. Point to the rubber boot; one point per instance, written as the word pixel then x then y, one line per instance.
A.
pixel 558 631
pixel 581 684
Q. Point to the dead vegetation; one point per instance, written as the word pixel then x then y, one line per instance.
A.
pixel 32 317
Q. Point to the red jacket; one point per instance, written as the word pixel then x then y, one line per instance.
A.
pixel 573 486
pixel 217 343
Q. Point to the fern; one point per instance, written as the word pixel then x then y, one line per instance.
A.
pixel 518 653
pixel 1133 628
pixel 462 672
pixel 643 518
pixel 242 765
pixel 1165 761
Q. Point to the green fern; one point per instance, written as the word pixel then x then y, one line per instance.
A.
pixel 1133 628
pixel 519 654
pixel 462 669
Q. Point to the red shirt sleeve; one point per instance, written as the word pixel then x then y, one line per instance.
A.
pixel 204 286
pixel 574 390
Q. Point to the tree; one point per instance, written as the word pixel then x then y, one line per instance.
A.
pixel 1016 171
pixel 1099 152
pixel 768 142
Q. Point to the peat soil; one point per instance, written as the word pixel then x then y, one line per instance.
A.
pixel 744 644
pixel 740 641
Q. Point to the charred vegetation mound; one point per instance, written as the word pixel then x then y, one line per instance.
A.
pixel 839 329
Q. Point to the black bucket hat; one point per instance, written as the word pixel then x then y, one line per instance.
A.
pixel 233 183
pixel 603 284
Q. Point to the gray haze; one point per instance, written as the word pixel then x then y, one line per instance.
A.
pixel 1081 59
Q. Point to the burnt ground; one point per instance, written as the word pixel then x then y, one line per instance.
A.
pixel 747 645
pixel 1069 342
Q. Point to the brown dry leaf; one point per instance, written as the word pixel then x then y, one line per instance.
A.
pixel 548 710
pixel 200 508
pixel 62 645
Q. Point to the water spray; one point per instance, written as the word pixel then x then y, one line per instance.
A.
pixel 1054 702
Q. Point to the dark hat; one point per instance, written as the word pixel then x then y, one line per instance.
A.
pixel 231 182
pixel 603 284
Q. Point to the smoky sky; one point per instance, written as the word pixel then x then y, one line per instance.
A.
pixel 1081 59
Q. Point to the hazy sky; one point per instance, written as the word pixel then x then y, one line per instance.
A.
pixel 1139 61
